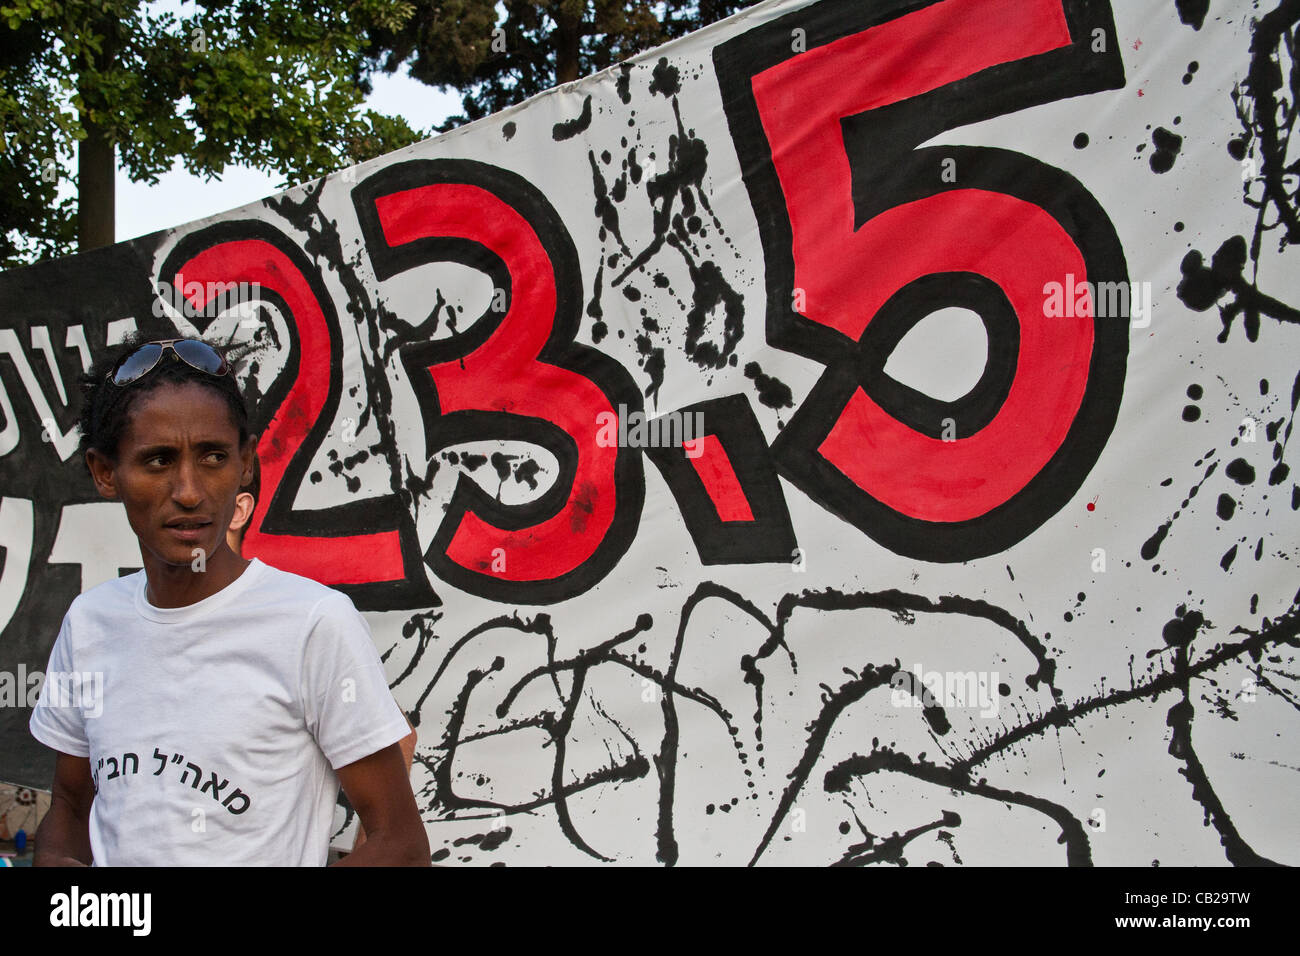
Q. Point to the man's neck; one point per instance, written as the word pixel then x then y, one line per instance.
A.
pixel 180 585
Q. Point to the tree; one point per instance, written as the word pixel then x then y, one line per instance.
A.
pixel 273 84
pixel 34 222
pixel 539 44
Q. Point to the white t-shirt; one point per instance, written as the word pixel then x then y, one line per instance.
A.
pixel 213 730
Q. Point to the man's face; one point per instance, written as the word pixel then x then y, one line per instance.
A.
pixel 179 466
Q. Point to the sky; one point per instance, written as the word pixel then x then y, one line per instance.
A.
pixel 180 197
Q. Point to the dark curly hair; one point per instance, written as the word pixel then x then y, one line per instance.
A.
pixel 106 408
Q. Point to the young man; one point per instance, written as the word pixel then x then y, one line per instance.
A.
pixel 231 698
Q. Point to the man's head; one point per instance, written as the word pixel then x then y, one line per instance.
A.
pixel 172 445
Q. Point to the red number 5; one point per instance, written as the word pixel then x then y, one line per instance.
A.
pixel 865 234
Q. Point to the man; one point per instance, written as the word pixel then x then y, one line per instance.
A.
pixel 231 699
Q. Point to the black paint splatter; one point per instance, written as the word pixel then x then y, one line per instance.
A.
pixel 1228 557
pixel 1179 719
pixel 526 472
pixel 713 302
pixel 652 360
pixel 666 80
pixel 623 85
pixel 1202 287
pixel 1182 628
pixel 571 128
pixel 1167 146
pixel 501 464
pixel 1152 545
pixel 712 291
pixel 1192 12
pixel 1273 34
pixel 1240 471
pixel 772 392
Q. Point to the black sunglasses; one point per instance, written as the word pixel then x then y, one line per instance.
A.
pixel 142 361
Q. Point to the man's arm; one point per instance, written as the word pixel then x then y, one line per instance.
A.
pixel 407 745
pixel 63 838
pixel 379 789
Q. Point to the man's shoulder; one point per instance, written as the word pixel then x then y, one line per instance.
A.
pixel 299 589
pixel 119 591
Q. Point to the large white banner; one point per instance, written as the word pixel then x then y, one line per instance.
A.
pixel 855 433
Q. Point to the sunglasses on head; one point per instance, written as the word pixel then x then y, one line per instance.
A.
pixel 192 352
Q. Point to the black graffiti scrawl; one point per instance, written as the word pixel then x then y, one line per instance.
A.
pixel 857 434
